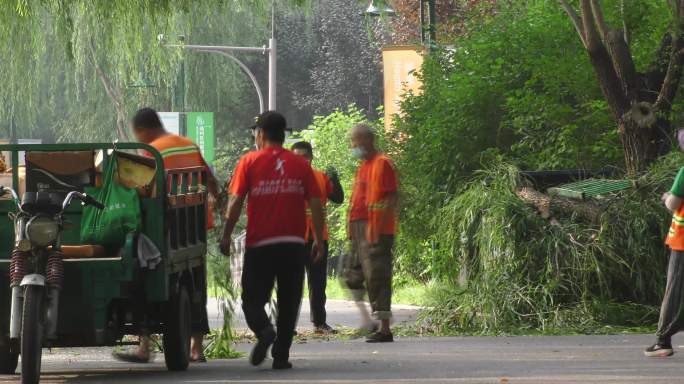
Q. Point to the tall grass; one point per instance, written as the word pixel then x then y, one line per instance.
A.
pixel 508 268
pixel 220 342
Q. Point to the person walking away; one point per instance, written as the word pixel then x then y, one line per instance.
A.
pixel 372 225
pixel 317 273
pixel 672 309
pixel 177 152
pixel 276 184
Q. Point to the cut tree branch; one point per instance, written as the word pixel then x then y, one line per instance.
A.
pixel 550 207
pixel 574 17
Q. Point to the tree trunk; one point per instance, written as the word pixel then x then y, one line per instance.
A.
pixel 639 102
pixel 643 145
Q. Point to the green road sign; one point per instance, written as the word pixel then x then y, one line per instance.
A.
pixel 200 127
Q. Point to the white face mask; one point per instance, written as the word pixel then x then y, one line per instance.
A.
pixel 358 153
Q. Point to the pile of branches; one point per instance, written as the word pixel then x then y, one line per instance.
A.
pixel 516 257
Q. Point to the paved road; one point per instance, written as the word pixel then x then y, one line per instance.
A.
pixel 568 359
pixel 340 312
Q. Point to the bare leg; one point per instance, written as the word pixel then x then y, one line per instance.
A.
pixel 144 347
pixel 385 326
pixel 196 346
pixel 366 321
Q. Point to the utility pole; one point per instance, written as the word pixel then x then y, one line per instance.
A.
pixel 272 63
pixel 431 37
pixel 179 92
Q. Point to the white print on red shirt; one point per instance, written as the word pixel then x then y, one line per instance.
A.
pixel 279 166
pixel 278 186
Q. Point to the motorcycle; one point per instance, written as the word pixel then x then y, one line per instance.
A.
pixel 36 273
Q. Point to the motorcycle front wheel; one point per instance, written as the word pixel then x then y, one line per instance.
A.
pixel 32 334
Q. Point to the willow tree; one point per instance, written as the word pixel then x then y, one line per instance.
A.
pixel 108 43
pixel 640 101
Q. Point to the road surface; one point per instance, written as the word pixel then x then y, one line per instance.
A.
pixel 566 359
pixel 539 359
pixel 340 313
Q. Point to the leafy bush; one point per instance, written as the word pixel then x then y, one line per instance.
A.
pixel 519 270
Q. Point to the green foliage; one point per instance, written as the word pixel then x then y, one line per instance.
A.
pixel 517 85
pixel 518 270
pixel 51 89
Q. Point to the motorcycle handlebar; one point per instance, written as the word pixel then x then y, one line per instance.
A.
pixel 84 198
pixel 89 200
pixel 4 190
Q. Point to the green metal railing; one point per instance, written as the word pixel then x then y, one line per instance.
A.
pixel 586 189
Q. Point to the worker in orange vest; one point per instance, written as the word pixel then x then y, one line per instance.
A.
pixel 372 225
pixel 177 152
pixel 671 311
pixel 316 273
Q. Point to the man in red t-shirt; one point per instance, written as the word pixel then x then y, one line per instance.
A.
pixel 277 185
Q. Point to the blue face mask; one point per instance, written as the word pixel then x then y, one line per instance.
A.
pixel 358 153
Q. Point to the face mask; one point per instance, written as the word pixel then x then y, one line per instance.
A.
pixel 358 153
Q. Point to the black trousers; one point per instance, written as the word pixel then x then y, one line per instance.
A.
pixel 317 278
pixel 200 319
pixel 672 310
pixel 263 266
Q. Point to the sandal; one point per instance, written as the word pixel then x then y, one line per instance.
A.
pixel 200 359
pixel 131 358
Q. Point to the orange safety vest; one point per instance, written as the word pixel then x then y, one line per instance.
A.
pixel 181 152
pixel 675 237
pixel 377 203
pixel 322 181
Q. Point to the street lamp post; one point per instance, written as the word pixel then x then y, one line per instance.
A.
pixel 431 15
pixel 386 10
pixel 227 51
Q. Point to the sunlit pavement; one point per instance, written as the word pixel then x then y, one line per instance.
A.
pixel 340 313
pixel 565 359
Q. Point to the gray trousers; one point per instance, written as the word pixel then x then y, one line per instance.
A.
pixel 369 269
pixel 672 309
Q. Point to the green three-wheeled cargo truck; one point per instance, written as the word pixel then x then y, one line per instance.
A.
pixel 57 292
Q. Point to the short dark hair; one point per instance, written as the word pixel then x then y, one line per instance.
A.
pixel 304 146
pixel 147 118
pixel 273 124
